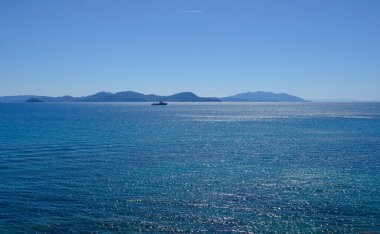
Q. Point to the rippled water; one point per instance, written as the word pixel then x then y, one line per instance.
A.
pixel 190 167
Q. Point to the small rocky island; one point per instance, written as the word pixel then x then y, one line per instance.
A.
pixel 32 99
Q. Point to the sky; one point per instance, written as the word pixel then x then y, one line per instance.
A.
pixel 316 49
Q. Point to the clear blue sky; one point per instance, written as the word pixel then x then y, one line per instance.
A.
pixel 313 49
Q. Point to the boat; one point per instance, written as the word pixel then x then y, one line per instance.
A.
pixel 160 103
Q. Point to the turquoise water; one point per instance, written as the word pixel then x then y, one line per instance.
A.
pixel 190 167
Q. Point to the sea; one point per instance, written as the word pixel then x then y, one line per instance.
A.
pixel 190 168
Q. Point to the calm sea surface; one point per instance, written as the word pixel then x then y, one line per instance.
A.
pixel 190 167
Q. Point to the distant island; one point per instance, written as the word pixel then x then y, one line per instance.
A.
pixel 130 96
pixel 32 99
pixel 261 96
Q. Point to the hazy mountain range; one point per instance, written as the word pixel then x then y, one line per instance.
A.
pixel 129 96
pixel 261 96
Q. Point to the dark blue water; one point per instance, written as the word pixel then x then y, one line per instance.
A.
pixel 190 168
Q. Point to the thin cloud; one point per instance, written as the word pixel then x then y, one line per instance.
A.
pixel 193 11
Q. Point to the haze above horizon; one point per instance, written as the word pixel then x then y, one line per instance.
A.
pixel 312 49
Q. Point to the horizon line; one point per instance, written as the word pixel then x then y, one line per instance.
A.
pixel 312 99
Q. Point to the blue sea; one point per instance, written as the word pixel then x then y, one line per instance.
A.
pixel 190 167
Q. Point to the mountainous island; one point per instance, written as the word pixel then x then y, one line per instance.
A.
pixel 130 96
pixel 261 96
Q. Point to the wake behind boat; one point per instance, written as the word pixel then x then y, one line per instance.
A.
pixel 160 103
